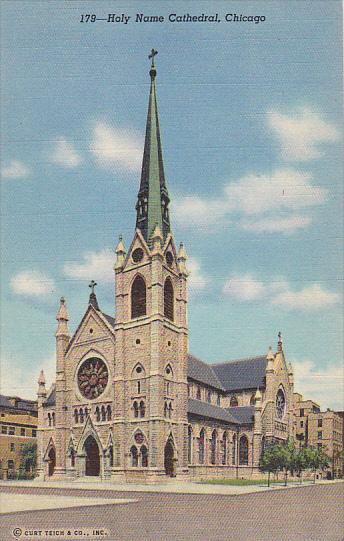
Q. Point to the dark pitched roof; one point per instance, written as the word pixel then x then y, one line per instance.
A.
pixel 4 403
pixel 111 320
pixel 242 374
pixel 202 372
pixel 204 409
pixel 50 401
pixel 244 414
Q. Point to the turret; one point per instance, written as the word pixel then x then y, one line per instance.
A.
pixel 270 358
pixel 120 254
pixel 42 392
pixel 280 342
pixel 182 258
pixel 62 335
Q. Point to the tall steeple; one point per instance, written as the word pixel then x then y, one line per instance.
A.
pixel 153 199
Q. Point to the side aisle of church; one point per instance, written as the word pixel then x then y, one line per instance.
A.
pixel 129 402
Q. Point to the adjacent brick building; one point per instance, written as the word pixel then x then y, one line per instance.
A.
pixel 18 426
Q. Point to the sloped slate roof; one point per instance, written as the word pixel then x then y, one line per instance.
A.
pixel 51 398
pixel 111 320
pixel 204 409
pixel 243 414
pixel 202 372
pixel 242 374
pixel 4 403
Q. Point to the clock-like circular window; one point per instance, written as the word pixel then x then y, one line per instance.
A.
pixel 93 376
pixel 137 255
pixel 169 259
pixel 280 404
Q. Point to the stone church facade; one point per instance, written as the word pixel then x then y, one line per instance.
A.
pixel 130 403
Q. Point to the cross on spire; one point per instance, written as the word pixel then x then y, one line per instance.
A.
pixel 92 285
pixel 152 55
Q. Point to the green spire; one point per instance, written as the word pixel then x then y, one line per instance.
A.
pixel 153 199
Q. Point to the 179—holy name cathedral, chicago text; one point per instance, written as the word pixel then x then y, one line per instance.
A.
pixel 184 18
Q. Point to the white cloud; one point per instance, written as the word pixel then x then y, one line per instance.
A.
pixel 324 385
pixel 64 154
pixel 15 170
pixel 279 292
pixel 312 297
pixel 32 283
pixel 24 383
pixel 276 225
pixel 197 280
pixel 116 147
pixel 302 133
pixel 258 203
pixel 193 211
pixel 95 266
pixel 245 288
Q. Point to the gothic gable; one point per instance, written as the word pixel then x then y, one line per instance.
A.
pixel 93 326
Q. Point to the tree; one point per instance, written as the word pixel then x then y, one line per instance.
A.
pixel 318 460
pixel 301 461
pixel 269 461
pixel 28 458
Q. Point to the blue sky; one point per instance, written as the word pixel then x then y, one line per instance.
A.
pixel 250 118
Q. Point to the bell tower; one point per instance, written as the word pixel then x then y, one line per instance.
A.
pixel 150 383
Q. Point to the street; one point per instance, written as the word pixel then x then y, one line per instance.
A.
pixel 310 513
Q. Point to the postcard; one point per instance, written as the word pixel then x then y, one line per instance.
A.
pixel 172 236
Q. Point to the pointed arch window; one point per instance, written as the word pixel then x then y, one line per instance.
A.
pixel 233 402
pixel 110 456
pixel 134 457
pixel 81 415
pixel 138 297
pixel 234 450
pixel 136 409
pixel 97 414
pixel 144 456
pixel 72 458
pixel 53 418
pixel 142 409
pixel 103 413
pixel 243 451
pixel 189 444
pixel 76 416
pixel 201 446
pixel 165 409
pixel 168 299
pixel 49 419
pixel 108 413
pixel 213 447
pixel 224 448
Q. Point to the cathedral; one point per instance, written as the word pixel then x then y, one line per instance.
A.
pixel 130 403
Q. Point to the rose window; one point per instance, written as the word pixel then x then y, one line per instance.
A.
pixel 93 377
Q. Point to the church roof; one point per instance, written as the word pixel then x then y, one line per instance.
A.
pixel 204 409
pixel 153 196
pixel 111 320
pixel 51 399
pixel 202 372
pixel 243 414
pixel 4 402
pixel 242 374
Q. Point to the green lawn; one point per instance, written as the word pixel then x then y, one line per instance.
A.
pixel 237 482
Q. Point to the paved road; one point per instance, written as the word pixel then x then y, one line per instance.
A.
pixel 313 513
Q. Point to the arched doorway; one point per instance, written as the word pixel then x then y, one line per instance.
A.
pixel 51 461
pixel 169 459
pixel 92 466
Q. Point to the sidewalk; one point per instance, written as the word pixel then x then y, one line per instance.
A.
pixel 172 487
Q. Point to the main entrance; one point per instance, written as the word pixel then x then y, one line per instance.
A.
pixel 169 459
pixel 51 461
pixel 92 457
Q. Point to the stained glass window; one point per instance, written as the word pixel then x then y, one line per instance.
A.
pixel 168 300
pixel 138 297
